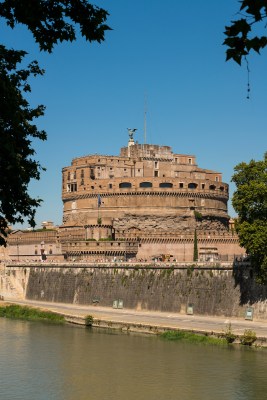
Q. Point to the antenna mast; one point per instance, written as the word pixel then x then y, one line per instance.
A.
pixel 145 110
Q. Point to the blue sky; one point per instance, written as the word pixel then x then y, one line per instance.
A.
pixel 169 51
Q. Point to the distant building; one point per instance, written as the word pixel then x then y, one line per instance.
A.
pixel 149 195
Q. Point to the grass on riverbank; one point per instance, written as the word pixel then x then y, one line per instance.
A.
pixel 30 314
pixel 192 337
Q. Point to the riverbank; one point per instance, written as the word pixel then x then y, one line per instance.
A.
pixel 154 323
pixel 14 311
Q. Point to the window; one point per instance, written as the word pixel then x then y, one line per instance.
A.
pixel 124 185
pixel 189 160
pixel 82 173
pixel 110 185
pixel 68 176
pixel 216 179
pixel 72 187
pixel 222 188
pixel 110 168
pixel 212 187
pixel 202 185
pixel 92 173
pixel 145 184
pixel 181 185
pixel 165 185
pixel 74 175
pixel 192 185
pixel 156 173
pixel 156 164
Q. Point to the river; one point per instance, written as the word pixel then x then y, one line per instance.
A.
pixel 41 361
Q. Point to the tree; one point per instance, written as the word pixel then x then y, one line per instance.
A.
pixel 240 39
pixel 50 22
pixel 250 203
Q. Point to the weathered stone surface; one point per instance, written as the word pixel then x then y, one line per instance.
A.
pixel 212 292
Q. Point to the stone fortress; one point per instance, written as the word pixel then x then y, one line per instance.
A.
pixel 147 203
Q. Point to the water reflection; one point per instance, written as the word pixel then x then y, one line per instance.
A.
pixel 42 361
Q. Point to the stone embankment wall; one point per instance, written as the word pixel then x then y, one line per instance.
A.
pixel 212 291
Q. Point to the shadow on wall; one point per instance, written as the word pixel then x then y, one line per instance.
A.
pixel 250 291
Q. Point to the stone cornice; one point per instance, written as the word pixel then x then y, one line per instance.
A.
pixel 209 195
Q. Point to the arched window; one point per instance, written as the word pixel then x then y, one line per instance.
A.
pixel 222 188
pixel 165 185
pixel 192 185
pixel 124 185
pixel 145 184
pixel 212 187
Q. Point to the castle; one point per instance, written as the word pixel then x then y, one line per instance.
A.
pixel 147 203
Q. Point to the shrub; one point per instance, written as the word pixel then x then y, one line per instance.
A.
pixel 89 320
pixel 249 337
pixel 229 335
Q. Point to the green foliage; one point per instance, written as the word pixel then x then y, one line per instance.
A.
pixel 239 35
pixel 229 335
pixel 195 258
pixel 89 320
pixel 192 337
pixel 50 22
pixel 30 314
pixel 198 216
pixel 250 202
pixel 17 164
pixel 249 337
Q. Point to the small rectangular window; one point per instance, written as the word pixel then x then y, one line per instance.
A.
pixel 189 160
pixel 181 185
pixel 156 173
pixel 203 185
pixel 110 186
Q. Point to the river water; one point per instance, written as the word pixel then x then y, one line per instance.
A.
pixel 40 361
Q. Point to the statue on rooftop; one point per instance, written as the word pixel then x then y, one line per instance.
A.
pixel 131 132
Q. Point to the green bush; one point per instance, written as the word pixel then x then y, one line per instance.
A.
pixel 89 320
pixel 248 338
pixel 229 335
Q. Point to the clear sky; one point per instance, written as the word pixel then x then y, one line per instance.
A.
pixel 167 51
